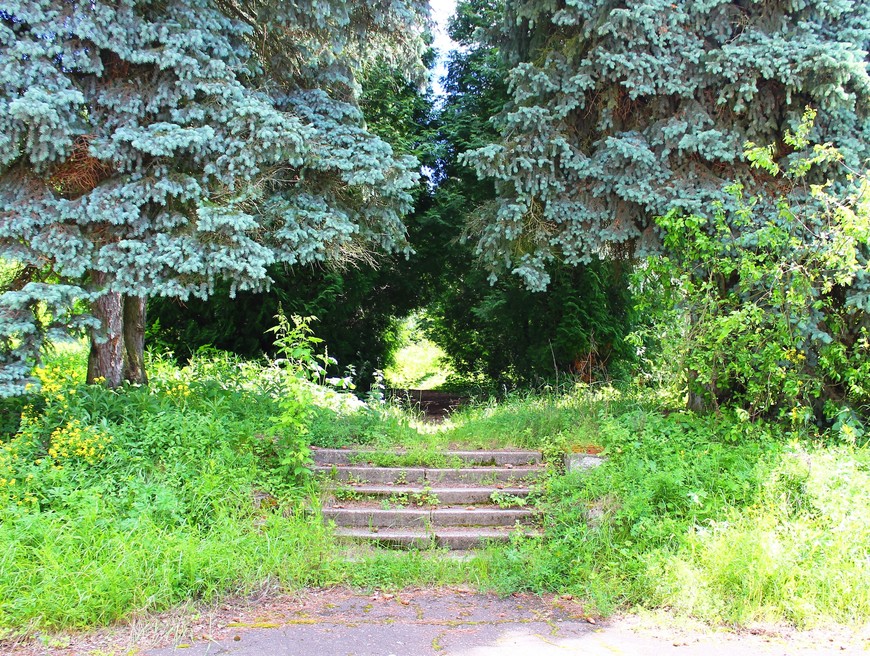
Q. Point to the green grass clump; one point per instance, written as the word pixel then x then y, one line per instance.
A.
pixel 799 552
pixel 129 501
pixel 119 501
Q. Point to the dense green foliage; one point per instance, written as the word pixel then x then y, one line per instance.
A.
pixel 627 139
pixel 356 311
pixel 502 330
pixel 121 502
pixel 508 334
pixel 767 315
pixel 711 517
pixel 153 148
pixel 358 306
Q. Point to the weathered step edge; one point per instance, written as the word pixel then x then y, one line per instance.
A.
pixel 443 495
pixel 462 539
pixel 497 458
pixel 410 475
pixel 379 475
pixel 420 517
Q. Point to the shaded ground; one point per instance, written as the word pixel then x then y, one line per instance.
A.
pixel 434 405
pixel 339 622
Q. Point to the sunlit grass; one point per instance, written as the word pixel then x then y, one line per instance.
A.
pixel 419 363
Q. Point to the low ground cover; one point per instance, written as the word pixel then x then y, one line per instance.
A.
pixel 121 502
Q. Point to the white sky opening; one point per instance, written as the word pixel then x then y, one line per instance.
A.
pixel 442 10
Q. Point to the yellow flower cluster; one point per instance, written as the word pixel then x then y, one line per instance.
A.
pixel 181 390
pixel 793 355
pixel 9 461
pixel 51 378
pixel 11 486
pixel 57 386
pixel 29 417
pixel 74 440
pixel 8 455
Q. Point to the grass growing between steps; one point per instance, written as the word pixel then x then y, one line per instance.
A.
pixel 117 503
pixel 713 517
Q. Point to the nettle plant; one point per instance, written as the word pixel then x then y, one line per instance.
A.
pixel 154 148
pixel 776 316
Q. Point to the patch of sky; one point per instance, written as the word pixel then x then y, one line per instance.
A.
pixel 442 10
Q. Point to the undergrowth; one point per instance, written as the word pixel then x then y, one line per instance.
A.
pixel 121 502
pixel 711 517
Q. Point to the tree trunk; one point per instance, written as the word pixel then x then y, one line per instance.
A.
pixel 106 359
pixel 134 340
pixel 696 402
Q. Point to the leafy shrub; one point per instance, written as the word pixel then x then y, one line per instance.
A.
pixel 774 308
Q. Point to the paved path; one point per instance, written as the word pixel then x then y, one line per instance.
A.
pixel 457 623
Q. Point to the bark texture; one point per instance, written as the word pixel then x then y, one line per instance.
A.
pixel 134 340
pixel 106 358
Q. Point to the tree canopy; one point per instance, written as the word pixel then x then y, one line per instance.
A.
pixel 358 305
pixel 503 331
pixel 193 147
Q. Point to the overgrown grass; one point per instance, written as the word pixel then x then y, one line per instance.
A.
pixel 720 520
pixel 117 502
pixel 113 503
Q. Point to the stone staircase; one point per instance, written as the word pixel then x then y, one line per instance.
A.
pixel 480 499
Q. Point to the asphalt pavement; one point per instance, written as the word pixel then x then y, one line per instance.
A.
pixel 462 623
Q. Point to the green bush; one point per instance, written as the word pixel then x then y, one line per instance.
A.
pixel 772 310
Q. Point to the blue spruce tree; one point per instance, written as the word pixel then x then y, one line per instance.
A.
pixel 154 148
pixel 624 111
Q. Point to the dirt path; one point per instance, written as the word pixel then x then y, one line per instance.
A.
pixel 338 622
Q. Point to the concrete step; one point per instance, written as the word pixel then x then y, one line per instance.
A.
pixel 482 475
pixel 498 458
pixel 483 516
pixel 451 538
pixel 513 457
pixel 380 475
pixel 423 518
pixel 411 475
pixel 457 495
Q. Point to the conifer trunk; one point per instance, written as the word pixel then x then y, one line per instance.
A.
pixel 106 358
pixel 696 401
pixel 134 340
